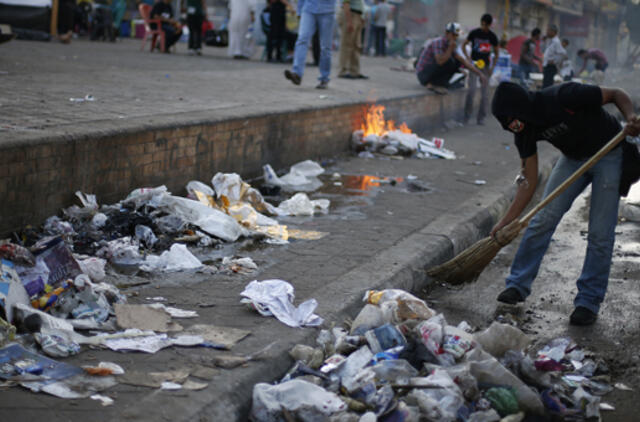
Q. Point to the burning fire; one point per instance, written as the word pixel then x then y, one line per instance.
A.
pixel 374 122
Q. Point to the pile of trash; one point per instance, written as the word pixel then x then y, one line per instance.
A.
pixel 152 220
pixel 53 280
pixel 399 143
pixel 401 361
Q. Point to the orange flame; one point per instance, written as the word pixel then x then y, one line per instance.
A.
pixel 374 122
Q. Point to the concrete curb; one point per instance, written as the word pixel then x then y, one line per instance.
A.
pixel 401 266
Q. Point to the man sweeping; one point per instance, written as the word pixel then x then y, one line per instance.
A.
pixel 571 117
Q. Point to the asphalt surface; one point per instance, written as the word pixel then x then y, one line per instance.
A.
pixel 382 236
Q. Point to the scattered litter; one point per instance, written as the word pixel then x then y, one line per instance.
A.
pixel 300 204
pixel 141 341
pixel 143 317
pixel 175 312
pixel 226 337
pixel 301 177
pixel 239 265
pixel 154 379
pixel 168 385
pixel 86 98
pixel 622 386
pixel 104 400
pixel 298 399
pixel 12 292
pixel 275 298
pixel 478 182
pixel 104 368
pixel 178 258
pixel 402 358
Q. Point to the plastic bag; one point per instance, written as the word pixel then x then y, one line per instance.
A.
pixel 499 338
pixel 441 401
pixel 145 235
pixel 177 258
pixel 229 185
pixel 194 186
pixel 396 371
pixel 300 204
pixel 370 317
pixel 142 196
pixel 486 369
pixel 93 267
pixel 121 252
pixel 209 220
pixel 302 400
pixel 275 297
pixel 301 177
pixel 170 224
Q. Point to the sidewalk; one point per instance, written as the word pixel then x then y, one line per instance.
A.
pixel 134 88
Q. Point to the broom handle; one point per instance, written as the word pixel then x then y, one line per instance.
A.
pixel 583 169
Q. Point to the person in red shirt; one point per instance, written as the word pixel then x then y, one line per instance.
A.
pixel 593 54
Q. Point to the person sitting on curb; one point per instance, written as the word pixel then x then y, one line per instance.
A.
pixel 172 29
pixel 571 117
pixel 440 59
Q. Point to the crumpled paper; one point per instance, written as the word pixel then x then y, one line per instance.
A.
pixel 275 298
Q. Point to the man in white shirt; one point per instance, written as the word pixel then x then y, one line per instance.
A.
pixel 554 55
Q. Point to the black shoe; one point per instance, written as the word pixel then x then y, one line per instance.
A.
pixel 510 296
pixel 293 77
pixel 582 316
pixel 323 85
pixel 346 76
pixel 360 76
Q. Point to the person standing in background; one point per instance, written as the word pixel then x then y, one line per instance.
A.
pixel 528 60
pixel 483 40
pixel 380 18
pixel 351 39
pixel 277 29
pixel 554 55
pixel 241 17
pixel 196 12
pixel 320 15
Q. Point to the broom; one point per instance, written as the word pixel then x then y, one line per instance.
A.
pixel 468 265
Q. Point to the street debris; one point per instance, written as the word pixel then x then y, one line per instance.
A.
pixel 380 136
pixel 55 280
pixel 399 360
pixel 275 298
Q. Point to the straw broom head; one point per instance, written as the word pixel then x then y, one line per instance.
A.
pixel 468 265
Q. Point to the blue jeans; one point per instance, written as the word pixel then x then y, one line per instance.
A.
pixel 308 24
pixel 603 216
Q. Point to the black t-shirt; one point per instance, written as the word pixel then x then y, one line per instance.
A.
pixel 161 9
pixel 482 44
pixel 578 125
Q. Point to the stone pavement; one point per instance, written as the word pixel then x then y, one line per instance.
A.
pixel 133 88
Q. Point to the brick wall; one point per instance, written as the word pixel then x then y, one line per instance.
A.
pixel 39 178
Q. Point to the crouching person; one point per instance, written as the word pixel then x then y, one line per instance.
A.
pixel 440 59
